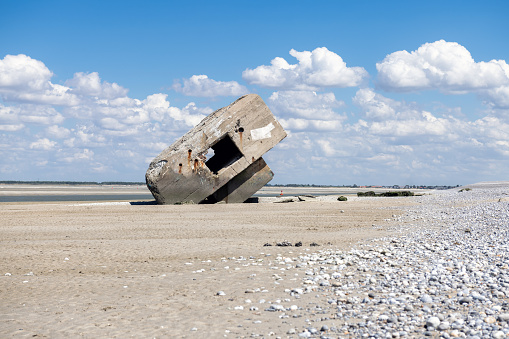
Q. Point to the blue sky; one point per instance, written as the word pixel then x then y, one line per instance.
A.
pixel 370 92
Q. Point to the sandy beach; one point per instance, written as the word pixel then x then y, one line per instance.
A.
pixel 117 270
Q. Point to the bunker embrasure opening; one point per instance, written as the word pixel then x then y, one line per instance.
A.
pixel 225 154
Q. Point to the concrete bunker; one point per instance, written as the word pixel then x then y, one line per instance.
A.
pixel 220 159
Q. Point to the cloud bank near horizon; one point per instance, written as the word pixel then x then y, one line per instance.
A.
pixel 92 128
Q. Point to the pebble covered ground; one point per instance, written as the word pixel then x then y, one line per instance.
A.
pixel 443 274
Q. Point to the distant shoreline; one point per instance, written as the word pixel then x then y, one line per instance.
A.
pixel 131 183
pixel 23 193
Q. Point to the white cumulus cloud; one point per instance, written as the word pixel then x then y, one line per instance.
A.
pixel 57 131
pixel 39 114
pixel 316 69
pixel 448 67
pixel 126 116
pixel 376 107
pixel 23 79
pixel 497 97
pixel 306 110
pixel 392 118
pixel 13 118
pixel 90 85
pixel 203 86
pixel 310 124
pixel 22 72
pixel 305 104
pixel 81 155
pixel 444 65
pixel 326 147
pixel 428 125
pixel 43 144
pixel 11 127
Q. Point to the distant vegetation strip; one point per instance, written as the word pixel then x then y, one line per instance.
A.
pixel 386 194
pixel 12 182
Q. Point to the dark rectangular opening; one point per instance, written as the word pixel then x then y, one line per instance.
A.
pixel 225 154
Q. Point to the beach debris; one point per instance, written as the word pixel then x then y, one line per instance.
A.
pixel 342 198
pixel 220 159
pixel 285 200
pixel 286 243
pixel 465 189
pixel 275 308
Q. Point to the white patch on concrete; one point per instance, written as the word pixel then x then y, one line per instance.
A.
pixel 262 133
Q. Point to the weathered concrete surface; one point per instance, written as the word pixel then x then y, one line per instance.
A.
pixel 220 158
pixel 245 184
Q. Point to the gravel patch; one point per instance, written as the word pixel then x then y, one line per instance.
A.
pixel 444 274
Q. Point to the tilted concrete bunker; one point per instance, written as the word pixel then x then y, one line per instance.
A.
pixel 220 159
